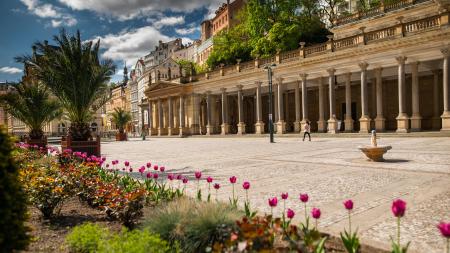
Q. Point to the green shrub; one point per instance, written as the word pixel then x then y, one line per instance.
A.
pixel 86 238
pixel 195 225
pixel 135 241
pixel 13 201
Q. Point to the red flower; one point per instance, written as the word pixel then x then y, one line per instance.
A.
pixel 216 186
pixel 233 179
pixel 149 165
pixel 149 175
pixel 185 180
pixel 398 208
pixel 348 204
pixel 155 176
pixel 290 213
pixel 304 197
pixel 273 202
pixel 155 167
pixel 179 177
pixel 127 163
pixel 170 177
pixel 445 229
pixel 316 213
pixel 284 195
pixel 246 185
pixel 198 174
pixel 162 168
pixel 209 179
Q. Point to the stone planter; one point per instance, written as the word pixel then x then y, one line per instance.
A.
pixel 121 137
pixel 39 142
pixel 91 147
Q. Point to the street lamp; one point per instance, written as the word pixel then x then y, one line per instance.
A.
pixel 269 75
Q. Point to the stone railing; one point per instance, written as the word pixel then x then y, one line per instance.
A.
pixel 364 38
pixel 375 11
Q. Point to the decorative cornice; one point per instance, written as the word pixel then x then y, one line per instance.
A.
pixel 363 65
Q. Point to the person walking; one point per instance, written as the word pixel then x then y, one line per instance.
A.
pixel 307 130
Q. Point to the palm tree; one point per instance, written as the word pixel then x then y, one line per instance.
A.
pixel 120 118
pixel 31 104
pixel 76 76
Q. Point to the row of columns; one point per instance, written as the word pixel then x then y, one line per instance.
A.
pixel 301 117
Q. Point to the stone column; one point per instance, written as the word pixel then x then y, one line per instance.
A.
pixel 182 129
pixel 281 124
pixel 402 118
pixel 259 126
pixel 225 126
pixel 332 121
pixel 241 123
pixel 160 118
pixel 304 102
pixel 348 103
pixel 195 124
pixel 436 121
pixel 297 123
pixel 380 125
pixel 364 121
pixel 321 122
pixel 151 124
pixel 445 90
pixel 275 105
pixel 416 118
pixel 170 112
pixel 209 126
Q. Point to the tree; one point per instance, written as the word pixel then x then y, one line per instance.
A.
pixel 328 8
pixel 76 76
pixel 120 118
pixel 31 104
pixel 13 210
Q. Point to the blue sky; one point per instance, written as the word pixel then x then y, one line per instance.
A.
pixel 128 29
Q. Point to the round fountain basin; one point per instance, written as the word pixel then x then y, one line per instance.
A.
pixel 375 153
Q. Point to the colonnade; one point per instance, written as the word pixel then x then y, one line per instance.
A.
pixel 165 122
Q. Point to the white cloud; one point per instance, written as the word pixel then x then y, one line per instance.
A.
pixel 186 31
pixel 167 21
pixel 10 70
pixel 48 11
pixel 130 9
pixel 130 45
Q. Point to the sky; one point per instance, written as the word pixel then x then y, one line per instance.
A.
pixel 127 29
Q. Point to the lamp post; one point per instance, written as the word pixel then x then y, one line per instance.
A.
pixel 269 76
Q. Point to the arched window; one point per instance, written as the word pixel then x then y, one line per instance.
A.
pixel 94 127
pixel 61 128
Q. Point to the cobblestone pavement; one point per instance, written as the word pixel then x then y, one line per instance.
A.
pixel 330 170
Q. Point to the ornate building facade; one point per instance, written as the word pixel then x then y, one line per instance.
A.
pixel 387 69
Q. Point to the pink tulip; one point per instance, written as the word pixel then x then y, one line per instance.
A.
pixel 273 202
pixel 284 196
pixel 155 176
pixel 185 180
pixel 316 213
pixel 209 179
pixel 127 163
pixel 348 204
pixel 445 229
pixel 216 186
pixel 155 167
pixel 107 165
pixel 290 213
pixel 103 158
pixel 162 168
pixel 246 185
pixel 233 179
pixel 304 197
pixel 398 208
pixel 170 177
pixel 198 175
pixel 179 177
pixel 131 169
pixel 149 175
pixel 149 165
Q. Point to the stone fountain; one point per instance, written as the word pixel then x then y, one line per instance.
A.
pixel 374 152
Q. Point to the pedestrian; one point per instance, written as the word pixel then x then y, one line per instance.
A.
pixel 307 130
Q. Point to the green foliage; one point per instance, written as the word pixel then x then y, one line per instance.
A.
pixel 94 238
pixel 31 104
pixel 13 207
pixel 120 118
pixel 398 248
pixel 76 76
pixel 351 242
pixel 195 225
pixel 86 238
pixel 190 68
pixel 267 27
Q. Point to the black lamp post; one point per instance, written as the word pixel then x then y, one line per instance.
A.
pixel 269 73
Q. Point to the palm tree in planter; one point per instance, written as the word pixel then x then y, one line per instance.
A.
pixel 120 118
pixel 31 104
pixel 76 76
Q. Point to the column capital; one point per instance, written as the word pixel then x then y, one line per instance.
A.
pixel 303 76
pixel 378 70
pixel 401 59
pixel 363 65
pixel 258 83
pixel 348 76
pixel 414 64
pixel 223 90
pixel 445 52
pixel 208 92
pixel 239 87
pixel 279 79
pixel 331 71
